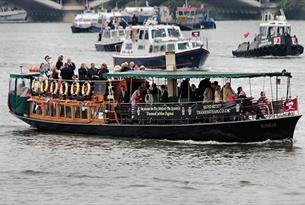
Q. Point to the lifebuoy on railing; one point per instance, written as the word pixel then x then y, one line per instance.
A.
pixel 36 86
pixel 54 87
pixel 44 86
pixel 86 89
pixel 64 88
pixel 75 88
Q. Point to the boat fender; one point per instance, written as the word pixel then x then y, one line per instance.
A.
pixel 44 86
pixel 86 89
pixel 54 87
pixel 64 88
pixel 75 88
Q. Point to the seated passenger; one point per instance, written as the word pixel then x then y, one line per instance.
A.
pixel 149 97
pixel 217 94
pixel 262 104
pixel 241 93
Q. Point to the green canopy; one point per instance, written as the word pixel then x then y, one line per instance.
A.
pixel 190 74
pixel 23 75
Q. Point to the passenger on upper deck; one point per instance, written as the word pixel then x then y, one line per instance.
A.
pixel 92 72
pixel 134 20
pixel 71 65
pixel 66 72
pixel 100 72
pixel 83 72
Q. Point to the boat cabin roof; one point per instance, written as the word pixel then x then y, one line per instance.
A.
pixel 191 74
pixel 24 75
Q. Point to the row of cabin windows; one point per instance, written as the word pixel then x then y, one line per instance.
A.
pixel 169 47
pixel 157 33
pixel 186 13
pixel 80 112
pixel 274 31
pixel 113 34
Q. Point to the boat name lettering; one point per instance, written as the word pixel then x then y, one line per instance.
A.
pixel 265 43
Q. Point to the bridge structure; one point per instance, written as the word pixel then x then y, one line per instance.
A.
pixel 65 10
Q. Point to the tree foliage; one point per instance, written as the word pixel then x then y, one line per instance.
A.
pixel 291 4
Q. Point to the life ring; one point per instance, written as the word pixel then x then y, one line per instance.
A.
pixel 44 86
pixel 36 86
pixel 64 88
pixel 75 88
pixel 54 87
pixel 86 89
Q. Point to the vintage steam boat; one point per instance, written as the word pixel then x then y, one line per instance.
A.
pixel 147 44
pixel 103 107
pixel 110 39
pixel 274 39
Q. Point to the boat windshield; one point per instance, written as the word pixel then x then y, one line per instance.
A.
pixel 158 33
pixel 172 32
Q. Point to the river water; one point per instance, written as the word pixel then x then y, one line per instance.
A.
pixel 45 168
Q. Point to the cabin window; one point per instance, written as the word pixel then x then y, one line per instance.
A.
pixel 141 35
pixel 162 48
pixel 93 113
pixel 12 86
pixel 171 47
pixel 114 34
pixel 263 31
pixel 68 112
pixel 106 34
pixel 128 46
pixel 84 110
pixel 141 47
pixel 156 49
pixel 280 31
pixel 121 33
pixel 36 108
pixel 182 46
pixel 180 13
pixel 173 33
pixel 62 111
pixel 50 109
pixel 77 112
pixel 146 35
pixel 288 30
pixel 158 33
pixel 23 87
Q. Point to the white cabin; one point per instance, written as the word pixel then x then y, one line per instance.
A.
pixel 274 25
pixel 156 39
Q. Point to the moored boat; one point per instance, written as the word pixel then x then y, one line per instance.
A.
pixel 274 39
pixel 190 18
pixel 12 15
pixel 103 107
pixel 110 39
pixel 147 44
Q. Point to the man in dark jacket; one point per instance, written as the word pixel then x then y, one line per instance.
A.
pixel 66 72
pixel 164 94
pixel 123 95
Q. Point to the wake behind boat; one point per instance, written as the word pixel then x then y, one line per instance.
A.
pixel 274 39
pixel 147 44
